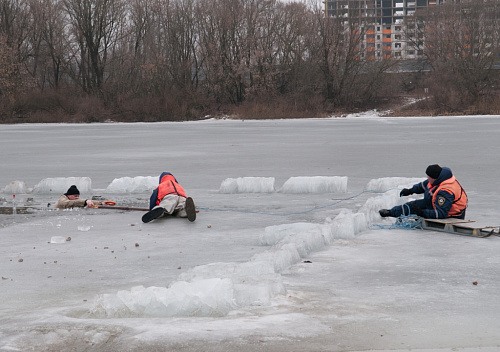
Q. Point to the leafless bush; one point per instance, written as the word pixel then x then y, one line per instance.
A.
pixel 462 46
pixel 281 107
pixel 163 60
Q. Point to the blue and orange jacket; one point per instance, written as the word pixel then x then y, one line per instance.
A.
pixel 446 197
pixel 167 185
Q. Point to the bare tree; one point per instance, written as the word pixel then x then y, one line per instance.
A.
pixel 223 48
pixel 462 45
pixel 46 41
pixel 180 28
pixel 14 52
pixel 15 27
pixel 282 52
pixel 14 21
pixel 96 27
pixel 54 35
pixel 10 77
pixel 338 50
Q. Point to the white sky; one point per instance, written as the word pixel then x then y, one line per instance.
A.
pixel 245 255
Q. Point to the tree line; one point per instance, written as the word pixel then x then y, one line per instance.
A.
pixel 156 60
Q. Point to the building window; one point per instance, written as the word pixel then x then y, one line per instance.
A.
pixel 397 45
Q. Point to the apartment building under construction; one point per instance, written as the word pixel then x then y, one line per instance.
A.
pixel 386 23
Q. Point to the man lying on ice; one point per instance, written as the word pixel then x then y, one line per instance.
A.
pixel 169 198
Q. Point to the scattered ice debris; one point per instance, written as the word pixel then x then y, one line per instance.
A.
pixel 57 239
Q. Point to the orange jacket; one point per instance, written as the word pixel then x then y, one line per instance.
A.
pixel 168 185
pixel 451 186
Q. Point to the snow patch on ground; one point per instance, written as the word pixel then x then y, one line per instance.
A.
pixel 369 114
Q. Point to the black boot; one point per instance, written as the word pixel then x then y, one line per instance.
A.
pixel 384 213
pixel 190 209
pixel 153 214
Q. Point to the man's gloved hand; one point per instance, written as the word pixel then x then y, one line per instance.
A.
pixel 405 192
pixel 416 210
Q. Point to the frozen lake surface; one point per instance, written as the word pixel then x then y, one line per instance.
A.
pixel 283 256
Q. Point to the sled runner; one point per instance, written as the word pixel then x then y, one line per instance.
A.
pixel 460 227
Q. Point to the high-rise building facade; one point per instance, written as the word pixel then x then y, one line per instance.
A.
pixel 387 23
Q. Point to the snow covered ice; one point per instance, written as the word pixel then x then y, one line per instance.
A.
pixel 283 255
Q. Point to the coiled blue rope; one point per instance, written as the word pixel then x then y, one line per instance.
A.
pixel 405 222
pixel 409 222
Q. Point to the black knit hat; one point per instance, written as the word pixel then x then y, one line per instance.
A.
pixel 433 171
pixel 72 191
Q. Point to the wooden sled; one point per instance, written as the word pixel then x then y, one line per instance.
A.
pixel 460 227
